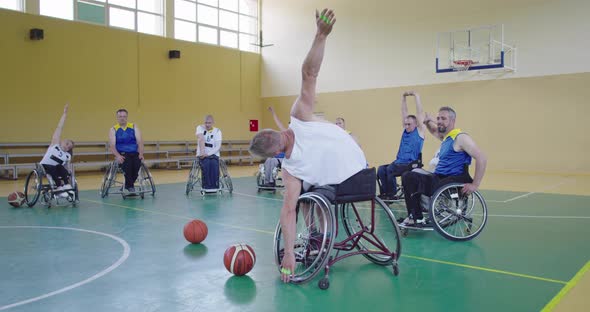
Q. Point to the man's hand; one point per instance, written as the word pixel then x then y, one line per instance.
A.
pixel 270 109
pixel 204 155
pixel 409 93
pixel 469 188
pixel 427 118
pixel 66 108
pixel 325 21
pixel 287 267
pixel 141 156
pixel 120 159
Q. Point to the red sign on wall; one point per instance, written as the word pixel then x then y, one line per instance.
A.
pixel 253 125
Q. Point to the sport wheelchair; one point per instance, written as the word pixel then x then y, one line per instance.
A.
pixel 195 182
pixel 454 215
pixel 399 194
pixel 262 184
pixel 110 184
pixel 371 228
pixel 35 188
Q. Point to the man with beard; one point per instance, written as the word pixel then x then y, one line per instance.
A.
pixel 456 151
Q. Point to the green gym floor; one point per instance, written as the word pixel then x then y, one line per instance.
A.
pixel 130 255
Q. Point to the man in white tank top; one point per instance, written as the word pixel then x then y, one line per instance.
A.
pixel 317 152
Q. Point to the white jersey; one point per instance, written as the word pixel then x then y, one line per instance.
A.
pixel 56 156
pixel 323 153
pixel 212 140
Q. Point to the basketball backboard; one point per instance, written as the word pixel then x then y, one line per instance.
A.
pixel 479 48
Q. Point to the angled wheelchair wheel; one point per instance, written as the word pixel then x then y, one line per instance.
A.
pixel 146 182
pixel 379 231
pixel 108 179
pixel 314 231
pixel 33 186
pixel 225 179
pixel 456 216
pixel 194 178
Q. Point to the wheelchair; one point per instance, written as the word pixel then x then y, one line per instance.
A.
pixel 110 184
pixel 261 183
pixel 370 226
pixel 36 189
pixel 399 194
pixel 454 215
pixel 195 182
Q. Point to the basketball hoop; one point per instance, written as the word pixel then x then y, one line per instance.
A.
pixel 462 65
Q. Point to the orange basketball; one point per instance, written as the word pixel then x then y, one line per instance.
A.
pixel 16 199
pixel 195 231
pixel 239 259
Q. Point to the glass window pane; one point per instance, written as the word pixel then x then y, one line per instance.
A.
pixel 91 12
pixel 246 43
pixel 185 10
pixel 248 25
pixel 16 5
pixel 185 31
pixel 207 34
pixel 149 23
pixel 57 8
pixel 154 6
pixel 228 20
pixel 209 2
pixel 121 18
pixel 231 5
pixel 228 39
pixel 207 15
pixel 124 3
pixel 249 7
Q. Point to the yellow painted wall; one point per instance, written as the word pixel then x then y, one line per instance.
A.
pixel 525 124
pixel 99 70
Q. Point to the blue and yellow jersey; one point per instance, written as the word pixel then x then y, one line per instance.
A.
pixel 451 163
pixel 125 138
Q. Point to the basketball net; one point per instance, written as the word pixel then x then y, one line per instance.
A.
pixel 462 65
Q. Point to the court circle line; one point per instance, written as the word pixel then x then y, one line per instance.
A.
pixel 126 253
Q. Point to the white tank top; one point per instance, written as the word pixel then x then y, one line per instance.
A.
pixel 55 156
pixel 323 153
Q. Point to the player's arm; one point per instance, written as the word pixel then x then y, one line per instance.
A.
pixel 431 126
pixel 465 142
pixel 288 222
pixel 419 113
pixel 113 146
pixel 56 138
pixel 304 105
pixel 139 140
pixel 276 119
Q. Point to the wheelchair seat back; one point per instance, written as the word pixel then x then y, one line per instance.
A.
pixel 359 187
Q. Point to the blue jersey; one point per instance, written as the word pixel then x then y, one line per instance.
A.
pixel 410 147
pixel 451 163
pixel 125 138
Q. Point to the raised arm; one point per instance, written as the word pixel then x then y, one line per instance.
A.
pixel 404 107
pixel 431 126
pixel 304 105
pixel 277 120
pixel 56 138
pixel 419 112
pixel 466 143
pixel 139 140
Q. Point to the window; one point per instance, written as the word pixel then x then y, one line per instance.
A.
pixel 229 23
pixel 16 5
pixel 57 8
pixel 146 16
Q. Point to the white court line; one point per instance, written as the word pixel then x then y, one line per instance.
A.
pixel 255 196
pixel 540 191
pixel 489 215
pixel 541 217
pixel 126 252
